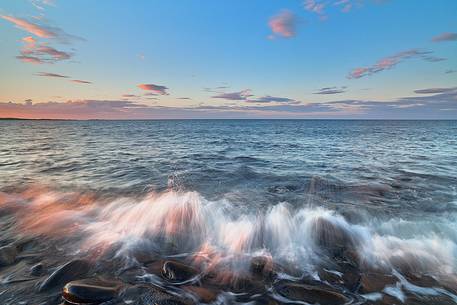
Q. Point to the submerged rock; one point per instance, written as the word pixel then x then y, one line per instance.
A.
pixel 8 255
pixel 375 282
pixel 178 272
pixel 72 270
pixel 334 239
pixel 310 294
pixel 90 291
pixel 262 267
pixel 37 269
pixel 204 295
pixel 151 295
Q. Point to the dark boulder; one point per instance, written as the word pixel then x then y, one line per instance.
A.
pixel 310 294
pixel 71 271
pixel 334 239
pixel 178 272
pixel 37 269
pixel 8 255
pixel 90 291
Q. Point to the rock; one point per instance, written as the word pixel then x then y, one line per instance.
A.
pixel 72 270
pixel 7 255
pixel 310 294
pixel 375 282
pixel 37 269
pixel 204 295
pixel 90 291
pixel 262 267
pixel 148 295
pixel 333 238
pixel 178 272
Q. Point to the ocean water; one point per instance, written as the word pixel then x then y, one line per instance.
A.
pixel 231 190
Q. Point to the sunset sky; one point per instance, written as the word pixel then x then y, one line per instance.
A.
pixel 228 59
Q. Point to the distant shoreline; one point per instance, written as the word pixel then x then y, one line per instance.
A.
pixel 223 119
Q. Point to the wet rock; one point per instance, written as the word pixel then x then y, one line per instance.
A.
pixel 178 272
pixel 262 266
pixel 37 269
pixel 147 295
pixel 310 294
pixel 90 291
pixel 375 282
pixel 7 255
pixel 351 276
pixel 72 270
pixel 333 238
pixel 204 295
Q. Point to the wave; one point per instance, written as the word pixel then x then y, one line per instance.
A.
pixel 185 223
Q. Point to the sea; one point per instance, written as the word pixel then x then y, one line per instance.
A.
pixel 323 208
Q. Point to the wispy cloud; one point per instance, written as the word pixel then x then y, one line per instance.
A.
pixel 158 89
pixel 439 105
pixel 40 4
pixel 319 7
pixel 79 81
pixel 33 28
pixel 41 54
pixel 331 90
pixel 389 62
pixel 41 30
pixel 435 90
pixel 449 71
pixel 47 74
pixel 445 37
pixel 283 24
pixel 235 96
pixel 273 99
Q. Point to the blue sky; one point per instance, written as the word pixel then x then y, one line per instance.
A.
pixel 211 59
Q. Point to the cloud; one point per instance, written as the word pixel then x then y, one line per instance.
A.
pixel 319 7
pixel 35 53
pixel 389 62
pixel 273 99
pixel 284 24
pixel 41 30
pixel 31 27
pixel 40 4
pixel 81 81
pixel 445 37
pixel 435 90
pixel 433 58
pixel 158 89
pixel 47 74
pixel 184 98
pixel 434 106
pixel 129 95
pixel 331 90
pixel 449 71
pixel 235 96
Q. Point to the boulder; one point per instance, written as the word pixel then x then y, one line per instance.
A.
pixel 310 294
pixel 37 269
pixel 8 255
pixel 178 272
pixel 90 291
pixel 71 271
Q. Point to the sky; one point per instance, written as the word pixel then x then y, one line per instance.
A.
pixel 310 59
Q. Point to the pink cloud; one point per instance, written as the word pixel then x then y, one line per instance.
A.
pixel 30 27
pixel 283 24
pixel 158 89
pixel 81 81
pixel 391 61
